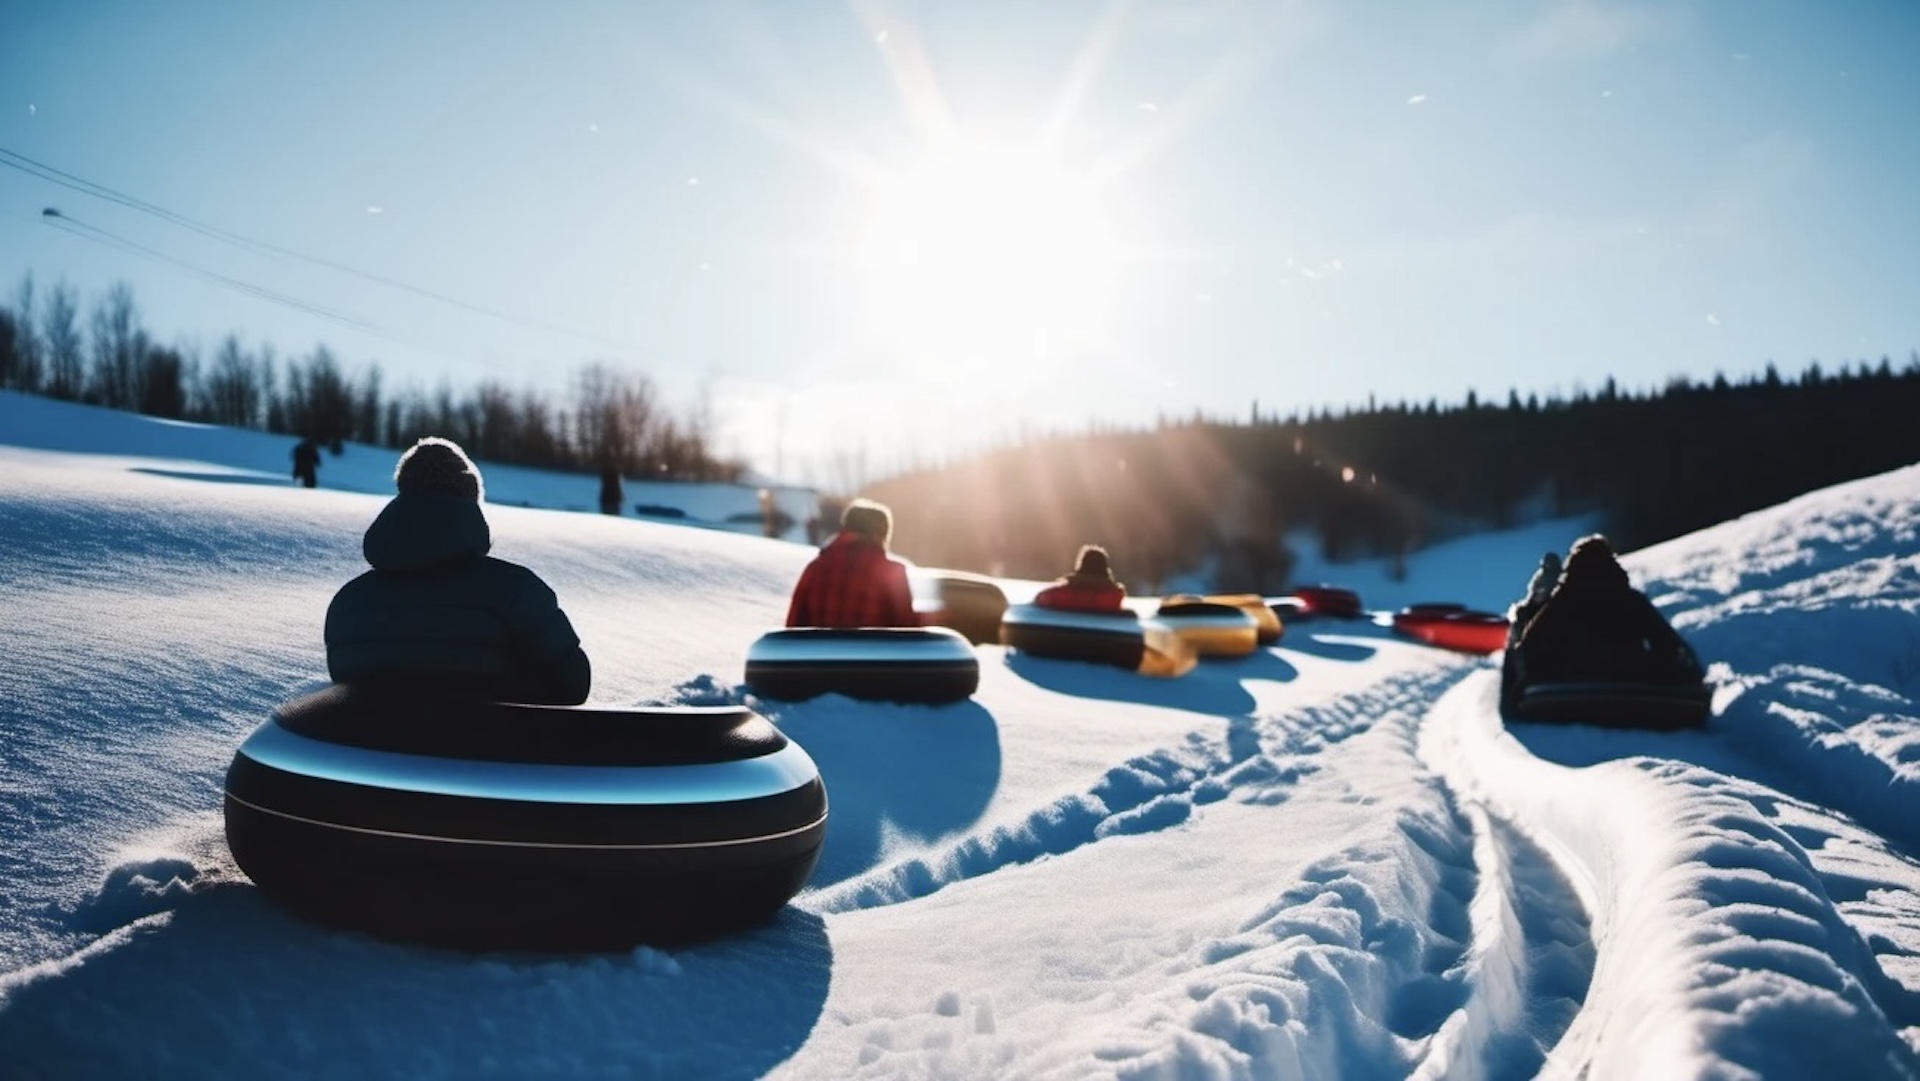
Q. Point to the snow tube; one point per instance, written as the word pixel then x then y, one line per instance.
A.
pixel 1267 624
pixel 1118 639
pixel 1452 626
pixel 1213 630
pixel 969 603
pixel 886 664
pixel 1615 705
pixel 1328 601
pixel 482 825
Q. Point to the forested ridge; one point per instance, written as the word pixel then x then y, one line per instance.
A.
pixel 1229 495
pixel 1386 480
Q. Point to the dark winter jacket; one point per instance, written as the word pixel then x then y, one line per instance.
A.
pixel 437 612
pixel 1595 627
pixel 853 582
pixel 1083 592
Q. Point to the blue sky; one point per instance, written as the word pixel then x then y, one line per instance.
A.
pixel 893 229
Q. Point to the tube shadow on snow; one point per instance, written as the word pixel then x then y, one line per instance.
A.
pixel 215 478
pixel 918 773
pixel 1336 646
pixel 227 986
pixel 1203 690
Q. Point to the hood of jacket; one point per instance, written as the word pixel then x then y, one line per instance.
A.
pixel 419 530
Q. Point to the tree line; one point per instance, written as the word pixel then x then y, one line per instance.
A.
pixel 1385 480
pixel 610 418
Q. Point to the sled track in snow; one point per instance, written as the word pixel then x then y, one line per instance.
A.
pixel 1259 760
pixel 1525 968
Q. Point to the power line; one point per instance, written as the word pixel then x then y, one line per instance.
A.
pixel 54 217
pixel 41 170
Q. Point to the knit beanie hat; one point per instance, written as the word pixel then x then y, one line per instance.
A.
pixel 1093 560
pixel 439 465
pixel 869 519
pixel 1592 561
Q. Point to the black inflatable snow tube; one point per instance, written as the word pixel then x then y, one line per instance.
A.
pixel 483 825
pixel 887 664
pixel 1115 639
pixel 1615 705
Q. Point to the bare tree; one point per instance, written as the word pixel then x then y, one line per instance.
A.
pixel 66 365
pixel 9 337
pixel 543 439
pixel 613 414
pixel 117 345
pixel 320 399
pixel 27 371
pixel 161 380
pixel 232 392
pixel 366 409
pixel 497 421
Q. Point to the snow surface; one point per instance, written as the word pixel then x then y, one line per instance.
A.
pixel 1329 859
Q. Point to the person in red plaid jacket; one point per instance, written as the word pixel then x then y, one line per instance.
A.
pixel 1090 588
pixel 853 582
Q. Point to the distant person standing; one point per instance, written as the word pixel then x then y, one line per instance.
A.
pixel 769 514
pixel 611 496
pixel 853 582
pixel 1090 588
pixel 306 463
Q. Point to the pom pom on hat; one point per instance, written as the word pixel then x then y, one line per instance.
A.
pixel 438 465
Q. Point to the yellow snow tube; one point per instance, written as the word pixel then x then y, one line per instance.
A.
pixel 1213 630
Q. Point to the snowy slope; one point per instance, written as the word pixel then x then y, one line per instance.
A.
pixel 1328 859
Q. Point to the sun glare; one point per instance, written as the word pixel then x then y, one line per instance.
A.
pixel 991 256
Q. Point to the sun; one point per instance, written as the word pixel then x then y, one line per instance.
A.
pixel 988 255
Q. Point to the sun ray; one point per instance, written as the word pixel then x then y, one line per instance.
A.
pixel 1086 67
pixel 913 76
pixel 1252 54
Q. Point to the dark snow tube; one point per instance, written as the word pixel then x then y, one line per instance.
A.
pixel 1453 627
pixel 1213 630
pixel 885 664
pixel 486 826
pixel 968 603
pixel 1615 705
pixel 1329 601
pixel 1115 639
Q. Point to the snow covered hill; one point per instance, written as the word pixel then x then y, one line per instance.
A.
pixel 1329 859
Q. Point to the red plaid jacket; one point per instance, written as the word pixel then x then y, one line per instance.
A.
pixel 852 583
pixel 1083 593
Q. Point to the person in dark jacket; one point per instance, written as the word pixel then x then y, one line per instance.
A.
pixel 611 494
pixel 1539 588
pixel 1090 588
pixel 1595 627
pixel 306 461
pixel 853 582
pixel 436 612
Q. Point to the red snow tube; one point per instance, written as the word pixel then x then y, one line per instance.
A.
pixel 1451 626
pixel 1328 601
